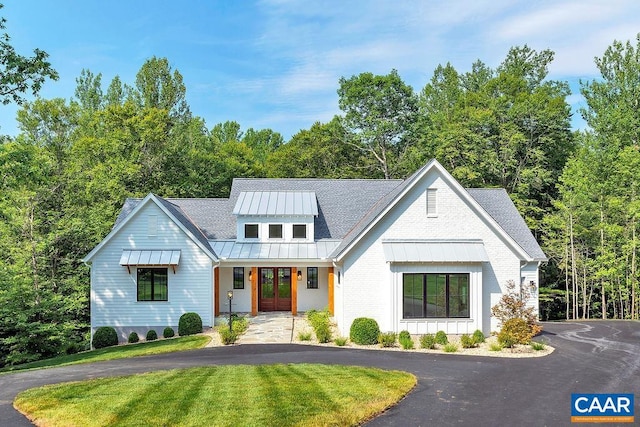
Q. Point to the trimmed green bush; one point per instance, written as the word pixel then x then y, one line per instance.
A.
pixel 467 341
pixel 495 347
pixel 105 336
pixel 304 336
pixel 168 332
pixel 537 346
pixel 189 324
pixel 152 335
pixel 478 336
pixel 441 338
pixel 387 339
pixel 240 325
pixel 364 331
pixel 406 342
pixel 321 324
pixel 404 334
pixel 428 341
pixel 133 338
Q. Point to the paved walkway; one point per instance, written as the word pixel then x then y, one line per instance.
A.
pixel 269 328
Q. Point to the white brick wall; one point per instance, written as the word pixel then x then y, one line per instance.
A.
pixel 368 286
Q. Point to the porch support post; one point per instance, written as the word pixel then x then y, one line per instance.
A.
pixel 254 291
pixel 330 289
pixel 216 285
pixel 294 291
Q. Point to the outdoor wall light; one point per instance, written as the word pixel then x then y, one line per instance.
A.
pixel 250 271
pixel 299 274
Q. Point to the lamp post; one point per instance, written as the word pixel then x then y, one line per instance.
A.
pixel 230 296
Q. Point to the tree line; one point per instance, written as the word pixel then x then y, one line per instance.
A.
pixel 68 171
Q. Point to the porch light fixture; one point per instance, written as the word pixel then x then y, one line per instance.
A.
pixel 299 275
pixel 250 271
pixel 230 296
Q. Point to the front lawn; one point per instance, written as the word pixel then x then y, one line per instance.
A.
pixel 294 394
pixel 119 352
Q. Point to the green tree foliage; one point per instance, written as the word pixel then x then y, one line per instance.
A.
pixel 593 234
pixel 379 111
pixel 20 74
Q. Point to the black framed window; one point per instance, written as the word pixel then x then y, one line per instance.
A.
pixel 238 277
pixel 299 231
pixel 153 284
pixel 251 231
pixel 275 231
pixel 435 295
pixel 312 277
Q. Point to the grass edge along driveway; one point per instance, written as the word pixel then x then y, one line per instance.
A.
pixel 291 394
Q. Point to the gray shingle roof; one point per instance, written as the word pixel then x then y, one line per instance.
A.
pixel 499 206
pixel 345 208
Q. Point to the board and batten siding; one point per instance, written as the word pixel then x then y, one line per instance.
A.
pixel 114 289
pixel 371 283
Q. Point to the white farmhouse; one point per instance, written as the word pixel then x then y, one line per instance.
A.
pixel 423 254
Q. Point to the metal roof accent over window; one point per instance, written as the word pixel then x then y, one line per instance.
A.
pixel 276 203
pixel 228 249
pixel 150 257
pixel 434 251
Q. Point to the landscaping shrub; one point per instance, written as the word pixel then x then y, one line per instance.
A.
pixel 428 341
pixel 537 346
pixel 340 341
pixel 168 332
pixel 321 324
pixel 478 336
pixel 514 305
pixel 441 338
pixel 364 331
pixel 133 338
pixel 189 324
pixel 227 336
pixel 406 342
pixel 467 341
pixel 304 336
pixel 515 331
pixel 404 334
pixel 240 325
pixel 495 347
pixel 105 336
pixel 450 348
pixel 387 339
pixel 323 332
pixel 152 335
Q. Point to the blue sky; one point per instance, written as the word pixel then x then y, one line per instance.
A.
pixel 276 63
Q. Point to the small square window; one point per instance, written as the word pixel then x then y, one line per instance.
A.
pixel 251 231
pixel 312 277
pixel 299 231
pixel 275 231
pixel 238 277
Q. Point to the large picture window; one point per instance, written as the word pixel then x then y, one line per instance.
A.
pixel 238 277
pixel 153 284
pixel 435 295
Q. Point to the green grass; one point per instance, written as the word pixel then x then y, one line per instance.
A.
pixel 118 352
pixel 282 395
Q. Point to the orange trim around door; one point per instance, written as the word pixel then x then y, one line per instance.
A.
pixel 330 289
pixel 294 291
pixel 254 291
pixel 216 282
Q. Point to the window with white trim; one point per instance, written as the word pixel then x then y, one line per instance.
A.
pixel 428 295
pixel 275 231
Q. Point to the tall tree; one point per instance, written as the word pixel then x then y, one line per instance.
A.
pixel 379 111
pixel 158 86
pixel 20 74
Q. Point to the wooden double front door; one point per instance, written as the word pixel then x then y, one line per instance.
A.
pixel 274 288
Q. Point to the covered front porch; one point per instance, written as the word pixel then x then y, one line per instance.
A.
pixel 265 287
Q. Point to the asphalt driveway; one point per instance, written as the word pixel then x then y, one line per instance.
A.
pixel 590 357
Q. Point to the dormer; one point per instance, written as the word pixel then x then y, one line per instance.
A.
pixel 276 216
